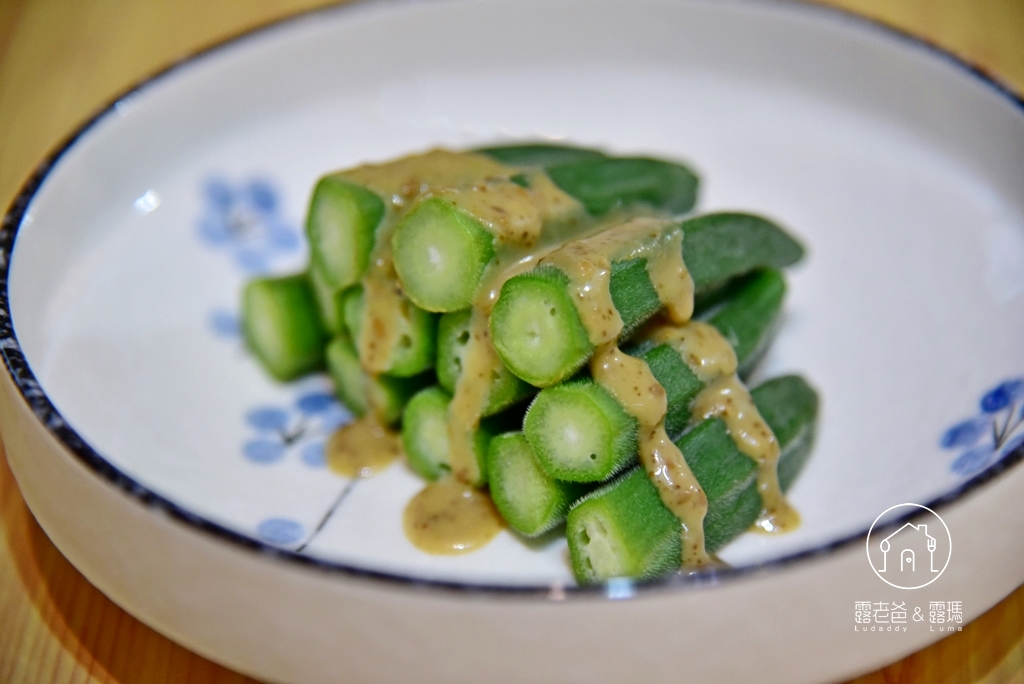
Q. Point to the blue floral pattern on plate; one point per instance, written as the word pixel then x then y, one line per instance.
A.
pixel 992 434
pixel 302 427
pixel 246 220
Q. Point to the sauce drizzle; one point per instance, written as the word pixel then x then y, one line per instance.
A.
pixel 712 359
pixel 450 517
pixel 362 448
pixel 530 218
pixel 588 262
pixel 727 398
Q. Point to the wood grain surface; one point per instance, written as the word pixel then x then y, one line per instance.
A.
pixel 59 62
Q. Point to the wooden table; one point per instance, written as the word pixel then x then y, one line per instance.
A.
pixel 59 61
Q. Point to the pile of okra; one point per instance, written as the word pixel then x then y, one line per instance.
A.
pixel 554 447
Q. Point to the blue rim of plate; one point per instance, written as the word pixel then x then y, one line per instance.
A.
pixel 50 417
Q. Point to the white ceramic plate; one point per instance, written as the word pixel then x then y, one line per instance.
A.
pixel 902 171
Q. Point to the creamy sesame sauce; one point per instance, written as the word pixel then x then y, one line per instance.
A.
pixel 631 382
pixel 450 517
pixel 557 212
pixel 727 398
pixel 587 263
pixel 401 183
pixel 362 448
pixel 712 359
pixel 700 345
pixel 472 390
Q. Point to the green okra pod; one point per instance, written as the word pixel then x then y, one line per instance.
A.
pixel 415 347
pixel 425 434
pixel 623 529
pixel 529 500
pixel 539 334
pixel 580 433
pixel 442 251
pixel 361 392
pixel 539 154
pixel 606 184
pixel 452 339
pixel 281 325
pixel 341 225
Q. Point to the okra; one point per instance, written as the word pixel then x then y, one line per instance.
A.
pixel 281 325
pixel 341 226
pixel 415 347
pixel 362 393
pixel 539 335
pixel 605 184
pixel 579 433
pixel 623 529
pixel 452 338
pixel 539 154
pixel 330 302
pixel 529 500
pixel 748 315
pixel 441 252
pixel 746 319
pixel 721 245
pixel 425 434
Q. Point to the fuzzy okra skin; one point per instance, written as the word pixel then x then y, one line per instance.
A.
pixel 721 245
pixel 538 333
pixel 361 392
pixel 341 225
pixel 452 338
pixel 623 529
pixel 415 348
pixel 281 325
pixel 748 314
pixel 529 500
pixel 580 433
pixel 605 184
pixel 747 319
pixel 441 253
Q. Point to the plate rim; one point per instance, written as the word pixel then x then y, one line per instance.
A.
pixel 33 394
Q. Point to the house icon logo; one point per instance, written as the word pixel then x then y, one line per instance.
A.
pixel 913 551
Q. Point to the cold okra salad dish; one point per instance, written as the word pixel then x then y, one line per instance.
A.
pixel 557 343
